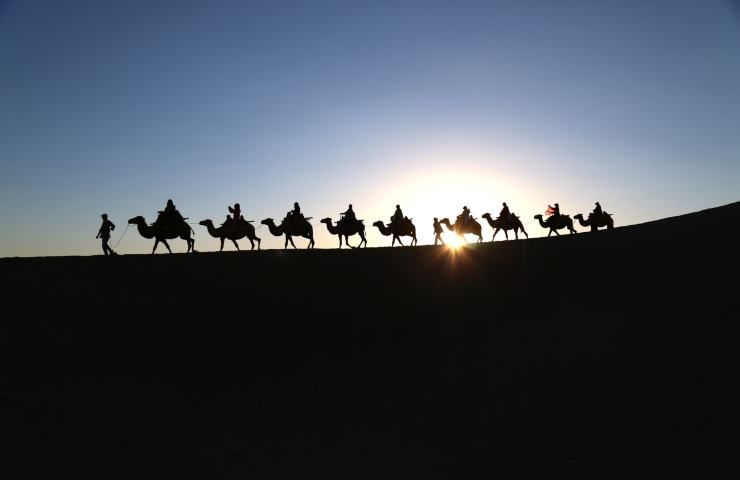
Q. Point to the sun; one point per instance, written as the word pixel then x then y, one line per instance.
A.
pixel 455 243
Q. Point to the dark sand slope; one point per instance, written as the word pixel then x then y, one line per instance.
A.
pixel 608 355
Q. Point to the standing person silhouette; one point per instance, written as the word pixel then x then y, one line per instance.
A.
pixel 554 211
pixel 437 231
pixel 104 234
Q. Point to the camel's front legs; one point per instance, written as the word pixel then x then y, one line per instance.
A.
pixel 291 242
pixel 506 233
pixel 156 242
pixel 235 244
pixel 346 240
pixel 222 244
pixel 340 239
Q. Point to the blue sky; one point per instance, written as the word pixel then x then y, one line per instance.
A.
pixel 109 106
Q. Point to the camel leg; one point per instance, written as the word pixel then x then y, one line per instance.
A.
pixel 340 240
pixel 292 243
pixel 525 232
pixel 222 244
pixel 399 241
pixel 156 242
pixel 506 234
pixel 167 245
pixel 259 242
pixel 235 244
pixel 414 242
pixel 251 241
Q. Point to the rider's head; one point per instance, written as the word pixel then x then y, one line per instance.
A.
pixel 504 204
pixel 557 205
pixel 105 216
pixel 398 206
pixel 236 205
pixel 597 203
pixel 295 204
pixel 435 219
pixel 350 205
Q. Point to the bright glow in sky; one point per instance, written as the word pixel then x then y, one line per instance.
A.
pixel 109 106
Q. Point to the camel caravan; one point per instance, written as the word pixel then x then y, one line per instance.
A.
pixel 170 224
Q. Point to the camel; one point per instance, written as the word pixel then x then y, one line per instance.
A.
pixel 556 223
pixel 403 228
pixel 291 228
pixel 346 230
pixel 500 224
pixel 605 221
pixel 460 230
pixel 243 228
pixel 162 233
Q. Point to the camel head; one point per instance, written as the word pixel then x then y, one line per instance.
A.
pixel 580 215
pixel 326 220
pixel 538 217
pixel 206 223
pixel 378 224
pixel 445 220
pixel 486 215
pixel 267 221
pixel 136 220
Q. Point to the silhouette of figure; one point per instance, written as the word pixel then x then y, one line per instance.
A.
pixel 437 231
pixel 104 234
pixel 554 211
pixel 464 217
pixel 505 215
pixel 397 215
pixel 170 214
pixel 598 213
pixel 236 211
pixel 348 216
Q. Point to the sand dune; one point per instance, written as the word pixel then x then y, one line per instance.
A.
pixel 598 355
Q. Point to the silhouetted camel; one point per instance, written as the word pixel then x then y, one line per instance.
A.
pixel 299 228
pixel 404 228
pixel 500 224
pixel 346 230
pixel 233 232
pixel 605 221
pixel 162 233
pixel 557 222
pixel 460 230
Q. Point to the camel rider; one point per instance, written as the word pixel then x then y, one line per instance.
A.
pixel 555 210
pixel 397 215
pixel 170 213
pixel 464 216
pixel 598 213
pixel 236 211
pixel 437 231
pixel 348 216
pixel 505 215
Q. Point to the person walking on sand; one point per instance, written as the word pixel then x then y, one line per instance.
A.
pixel 104 234
pixel 437 231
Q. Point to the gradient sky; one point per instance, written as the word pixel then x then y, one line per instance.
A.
pixel 116 106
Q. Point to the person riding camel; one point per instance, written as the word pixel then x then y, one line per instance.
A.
pixel 598 213
pixel 505 214
pixel 348 217
pixel 397 215
pixel 554 211
pixel 464 217
pixel 170 214
pixel 294 215
pixel 236 212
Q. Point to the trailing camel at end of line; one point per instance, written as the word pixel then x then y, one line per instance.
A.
pixel 401 228
pixel 606 220
pixel 161 232
pixel 471 226
pixel 556 222
pixel 501 224
pixel 228 230
pixel 346 230
pixel 291 227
